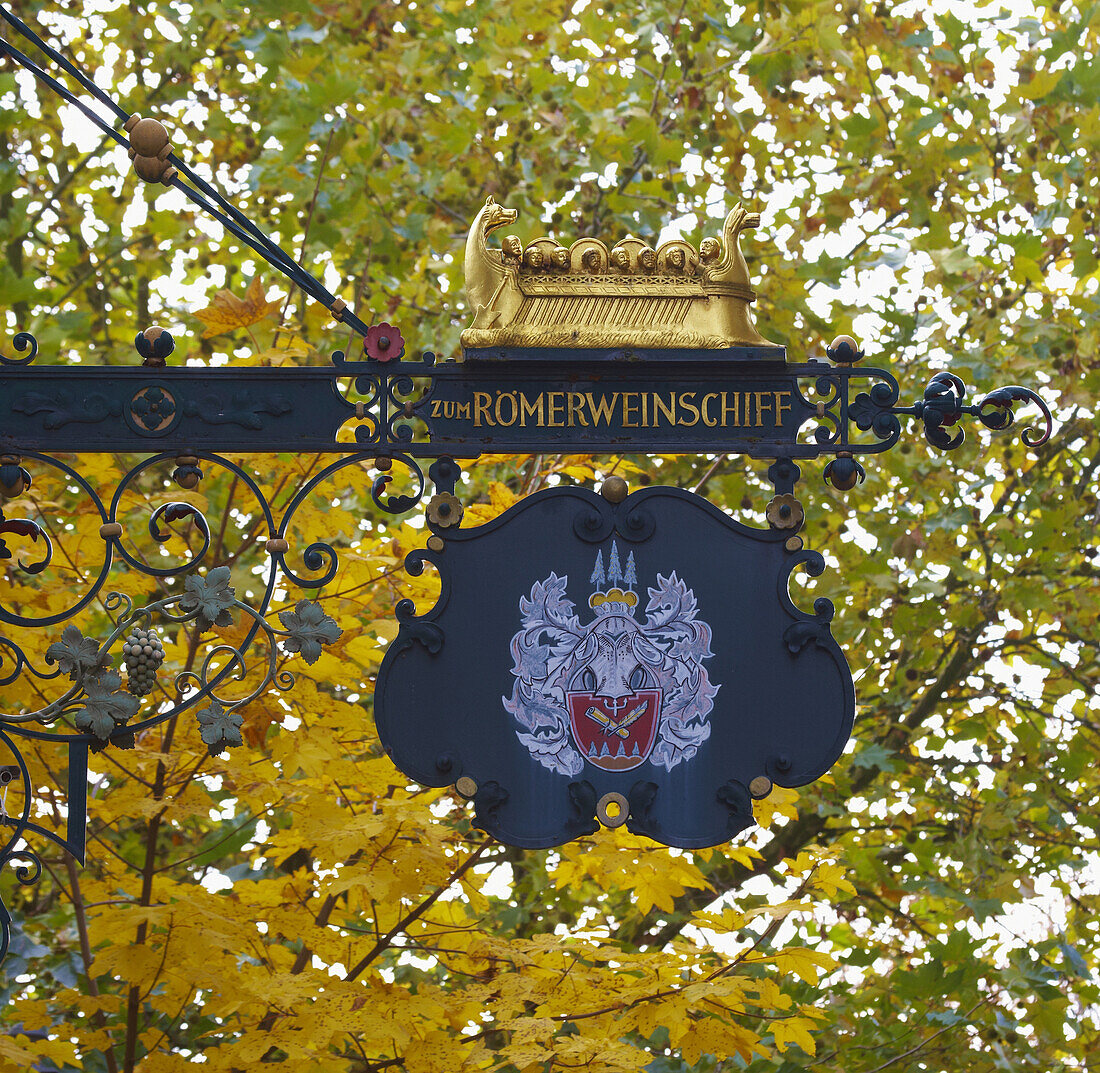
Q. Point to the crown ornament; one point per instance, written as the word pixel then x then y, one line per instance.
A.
pixel 620 598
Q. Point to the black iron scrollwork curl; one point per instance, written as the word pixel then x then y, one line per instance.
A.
pixel 166 512
pixel 636 524
pixel 593 523
pixel 805 628
pixel 21 619
pixel 26 527
pixel 20 663
pixel 315 557
pixel 414 628
pixel 399 389
pixel 830 395
pixel 21 342
pixel 28 874
pixel 942 407
pixel 175 512
pixel 398 504
pixel 995 412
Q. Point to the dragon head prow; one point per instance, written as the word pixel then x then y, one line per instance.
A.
pixel 740 218
pixel 494 215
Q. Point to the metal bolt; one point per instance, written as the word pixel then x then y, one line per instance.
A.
pixel 466 786
pixel 761 786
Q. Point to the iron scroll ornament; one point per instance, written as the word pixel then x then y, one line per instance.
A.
pixel 647 650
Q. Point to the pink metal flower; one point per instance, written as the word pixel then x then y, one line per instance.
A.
pixel 384 342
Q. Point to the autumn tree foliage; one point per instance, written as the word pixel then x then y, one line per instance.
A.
pixel 927 177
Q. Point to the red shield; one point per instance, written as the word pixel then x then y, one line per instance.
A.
pixel 615 733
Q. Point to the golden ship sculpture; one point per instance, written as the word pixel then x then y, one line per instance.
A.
pixel 588 296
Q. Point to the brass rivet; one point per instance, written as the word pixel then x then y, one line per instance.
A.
pixel 382 463
pixel 277 545
pixel 466 786
pixel 604 807
pixel 793 543
pixel 360 410
pixel 761 786
pixel 338 306
pixel 109 530
pixel 435 543
pixel 821 409
pixel 614 489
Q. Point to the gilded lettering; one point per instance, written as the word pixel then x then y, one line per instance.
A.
pixel 686 404
pixel 628 407
pixel 709 421
pixel 510 396
pixel 728 410
pixel 462 410
pixel 482 406
pixel 436 403
pixel 602 410
pixel 668 411
pixel 781 406
pixel 555 406
pixel 527 409
pixel 762 403
pixel 576 410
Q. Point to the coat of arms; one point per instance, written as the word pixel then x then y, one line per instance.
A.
pixel 617 691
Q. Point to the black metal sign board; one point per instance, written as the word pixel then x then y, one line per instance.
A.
pixel 419 407
pixel 590 661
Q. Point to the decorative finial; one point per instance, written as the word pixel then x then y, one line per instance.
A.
pixel 154 344
pixel 614 489
pixel 844 350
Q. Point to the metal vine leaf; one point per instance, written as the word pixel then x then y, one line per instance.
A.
pixel 75 654
pixel 309 628
pixel 220 728
pixel 210 596
pixel 106 707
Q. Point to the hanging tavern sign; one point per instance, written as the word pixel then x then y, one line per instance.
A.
pixel 636 661
pixel 591 658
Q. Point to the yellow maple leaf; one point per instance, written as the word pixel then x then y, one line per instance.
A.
pixel 805 964
pixel 794 1030
pixel 227 312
